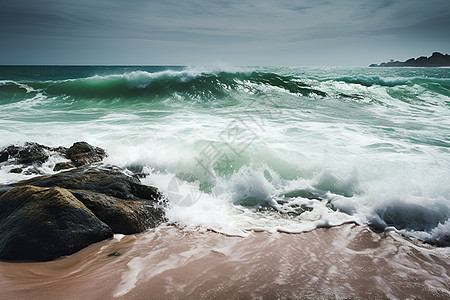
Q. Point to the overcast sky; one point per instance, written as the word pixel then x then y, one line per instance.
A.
pixel 201 32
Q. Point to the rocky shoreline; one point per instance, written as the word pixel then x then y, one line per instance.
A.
pixel 50 216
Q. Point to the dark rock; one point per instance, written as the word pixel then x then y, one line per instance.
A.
pixel 4 155
pixel 26 154
pixel 61 150
pixel 109 181
pixel 81 153
pixel 46 223
pixel 126 217
pixel 32 153
pixel 102 195
pixel 117 253
pixel 32 171
pixel 63 166
pixel 119 200
pixel 8 152
pixel 16 170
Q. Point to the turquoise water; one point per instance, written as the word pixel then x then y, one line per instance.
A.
pixel 240 149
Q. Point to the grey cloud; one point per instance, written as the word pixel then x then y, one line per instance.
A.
pixel 246 27
pixel 438 27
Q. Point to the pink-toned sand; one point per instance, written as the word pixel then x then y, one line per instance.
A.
pixel 167 263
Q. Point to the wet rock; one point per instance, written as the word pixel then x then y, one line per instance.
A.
pixel 125 217
pixel 8 152
pixel 46 223
pixel 32 153
pixel 110 181
pixel 32 171
pixel 102 195
pixel 4 155
pixel 60 150
pixel 63 166
pixel 16 170
pixel 119 200
pixel 81 153
pixel 28 154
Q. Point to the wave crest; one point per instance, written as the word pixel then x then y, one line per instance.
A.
pixel 193 84
pixel 375 80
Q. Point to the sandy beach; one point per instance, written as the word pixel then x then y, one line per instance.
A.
pixel 167 263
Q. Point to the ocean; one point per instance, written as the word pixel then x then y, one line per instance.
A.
pixel 241 151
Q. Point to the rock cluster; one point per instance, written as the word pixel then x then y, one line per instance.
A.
pixel 50 216
pixel 32 155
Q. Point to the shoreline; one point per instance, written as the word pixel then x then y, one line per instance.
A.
pixel 347 261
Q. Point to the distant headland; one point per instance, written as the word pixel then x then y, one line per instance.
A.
pixel 435 60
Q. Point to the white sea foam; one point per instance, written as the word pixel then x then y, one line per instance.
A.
pixel 379 157
pixel 130 278
pixel 140 79
pixel 24 86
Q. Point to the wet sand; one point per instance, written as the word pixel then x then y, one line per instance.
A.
pixel 167 263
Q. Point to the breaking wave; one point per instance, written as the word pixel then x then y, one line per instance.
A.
pixel 304 148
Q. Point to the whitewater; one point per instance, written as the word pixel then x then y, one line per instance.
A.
pixel 238 150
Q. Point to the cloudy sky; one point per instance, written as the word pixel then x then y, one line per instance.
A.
pixel 202 32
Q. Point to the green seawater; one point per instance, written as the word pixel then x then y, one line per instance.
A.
pixel 235 149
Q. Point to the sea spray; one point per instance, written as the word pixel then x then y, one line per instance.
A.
pixel 287 149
